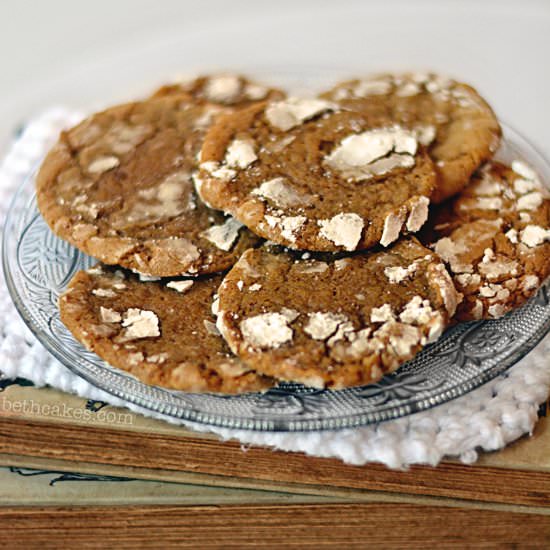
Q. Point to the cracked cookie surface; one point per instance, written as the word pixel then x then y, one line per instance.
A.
pixel 227 90
pixel 334 323
pixel 451 118
pixel 495 238
pixel 309 175
pixel 161 332
pixel 119 187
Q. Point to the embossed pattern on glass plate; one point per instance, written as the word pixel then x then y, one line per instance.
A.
pixel 38 267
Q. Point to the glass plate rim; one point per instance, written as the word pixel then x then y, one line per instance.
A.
pixel 344 421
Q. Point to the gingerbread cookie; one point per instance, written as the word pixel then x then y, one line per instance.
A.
pixel 451 119
pixel 334 323
pixel 308 175
pixel 119 187
pixel 228 90
pixel 161 332
pixel 495 238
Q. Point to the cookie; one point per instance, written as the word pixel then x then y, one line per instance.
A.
pixel 228 90
pixel 495 238
pixel 334 323
pixel 119 187
pixel 308 175
pixel 451 119
pixel 161 332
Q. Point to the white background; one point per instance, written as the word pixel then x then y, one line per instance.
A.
pixel 86 54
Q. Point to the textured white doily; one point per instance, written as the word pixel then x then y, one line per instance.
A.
pixel 487 418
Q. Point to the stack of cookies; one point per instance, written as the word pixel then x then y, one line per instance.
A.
pixel 246 237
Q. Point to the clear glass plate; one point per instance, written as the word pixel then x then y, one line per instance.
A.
pixel 38 267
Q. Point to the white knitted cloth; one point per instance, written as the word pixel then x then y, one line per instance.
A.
pixel 487 418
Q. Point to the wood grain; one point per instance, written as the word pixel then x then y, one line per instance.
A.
pixel 385 526
pixel 228 461
pixel 251 489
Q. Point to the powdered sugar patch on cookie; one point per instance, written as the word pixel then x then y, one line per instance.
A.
pixel 288 225
pixel 374 152
pixel 140 323
pixel 180 286
pixel 108 315
pixel 392 227
pixel 103 164
pixel 255 92
pixel 365 88
pixel 531 201
pixel 279 192
pixel 224 235
pixel 382 314
pixel 240 154
pixel 343 230
pixel 223 88
pixel 534 235
pixel 397 274
pixel 417 311
pixel 440 276
pixel 321 325
pixel 179 248
pixel 524 170
pixel 268 330
pixel 418 214
pixel 425 134
pixel 285 115
pixel 216 171
pixel 104 292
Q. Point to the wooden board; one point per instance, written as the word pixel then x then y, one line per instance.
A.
pixel 29 428
pixel 45 485
pixel 184 488
pixel 301 526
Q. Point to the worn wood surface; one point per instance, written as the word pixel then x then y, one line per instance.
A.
pixel 284 470
pixel 385 526
pixel 501 502
pixel 47 406
pixel 208 489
